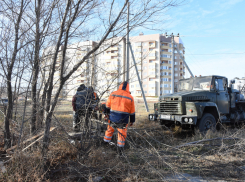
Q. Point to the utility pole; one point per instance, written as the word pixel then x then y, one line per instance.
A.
pixel 136 69
pixel 127 65
pixel 172 64
pixel 142 91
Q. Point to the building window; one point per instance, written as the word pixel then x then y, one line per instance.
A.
pixel 150 61
pixel 165 56
pixel 176 74
pixel 145 92
pixel 170 45
pixel 165 85
pixel 176 69
pixel 175 63
pixel 165 79
pixel 137 44
pixel 152 55
pixel 175 80
pixel 166 91
pixel 151 79
pixel 163 67
pixel 152 73
pixel 132 86
pixel 144 85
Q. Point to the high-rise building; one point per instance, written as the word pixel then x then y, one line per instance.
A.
pixel 83 75
pixel 106 68
pixel 153 55
pixel 110 66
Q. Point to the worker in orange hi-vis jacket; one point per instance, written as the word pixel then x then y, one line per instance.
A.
pixel 120 107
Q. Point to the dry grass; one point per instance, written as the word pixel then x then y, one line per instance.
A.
pixel 151 154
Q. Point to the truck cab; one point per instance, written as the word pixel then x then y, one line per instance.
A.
pixel 200 101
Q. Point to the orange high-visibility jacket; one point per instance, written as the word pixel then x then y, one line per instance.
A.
pixel 121 105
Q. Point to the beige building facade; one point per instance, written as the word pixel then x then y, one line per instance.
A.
pixel 153 54
pixel 106 68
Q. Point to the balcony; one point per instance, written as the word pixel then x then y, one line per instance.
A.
pixel 169 53
pixel 152 57
pixel 164 47
pixel 162 58
pixel 165 64
pixel 152 44
pixel 152 94
pixel 114 54
pixel 113 49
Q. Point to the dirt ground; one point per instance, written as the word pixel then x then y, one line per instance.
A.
pixel 151 154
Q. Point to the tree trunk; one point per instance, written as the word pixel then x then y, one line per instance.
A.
pixel 35 70
pixel 8 118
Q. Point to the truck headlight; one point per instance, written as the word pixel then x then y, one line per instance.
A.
pixel 190 120
pixel 186 120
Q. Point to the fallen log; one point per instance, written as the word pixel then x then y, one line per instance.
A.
pixel 30 139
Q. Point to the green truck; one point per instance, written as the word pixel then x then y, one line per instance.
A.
pixel 201 102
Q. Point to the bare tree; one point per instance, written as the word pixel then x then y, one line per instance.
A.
pixel 13 13
pixel 76 15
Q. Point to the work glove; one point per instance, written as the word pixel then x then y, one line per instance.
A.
pixel 131 124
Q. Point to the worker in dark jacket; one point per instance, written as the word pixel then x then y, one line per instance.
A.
pixel 120 108
pixel 78 103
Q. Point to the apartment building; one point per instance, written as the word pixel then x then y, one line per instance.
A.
pixel 83 75
pixel 110 66
pixel 106 68
pixel 153 55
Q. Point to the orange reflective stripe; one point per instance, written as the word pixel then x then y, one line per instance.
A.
pixel 122 134
pixel 109 133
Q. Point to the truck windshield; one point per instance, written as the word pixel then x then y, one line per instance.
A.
pixel 196 83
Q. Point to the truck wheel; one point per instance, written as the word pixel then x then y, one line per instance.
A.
pixel 206 123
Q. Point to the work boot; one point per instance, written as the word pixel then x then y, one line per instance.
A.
pixel 120 151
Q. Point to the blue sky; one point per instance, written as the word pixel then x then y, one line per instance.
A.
pixel 213 32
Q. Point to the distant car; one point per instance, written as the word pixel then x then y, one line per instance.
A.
pixel 4 101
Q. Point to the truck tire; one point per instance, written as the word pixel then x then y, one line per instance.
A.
pixel 206 123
